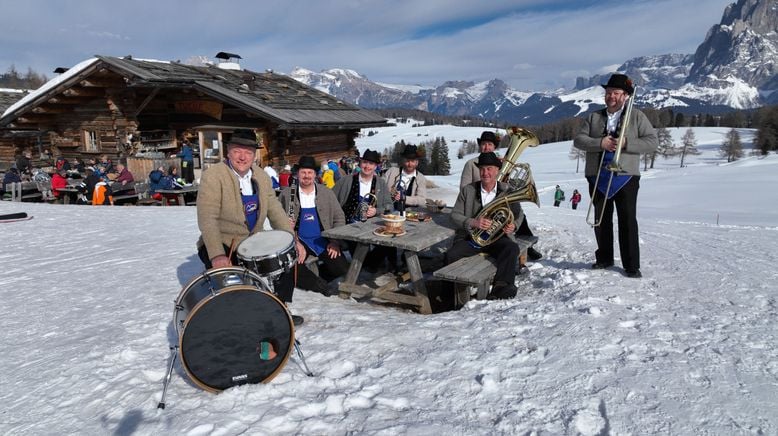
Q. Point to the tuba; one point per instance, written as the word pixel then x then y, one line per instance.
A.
pixel 521 187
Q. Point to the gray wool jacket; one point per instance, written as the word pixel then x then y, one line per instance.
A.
pixel 343 187
pixel 468 205
pixel 419 195
pixel 641 138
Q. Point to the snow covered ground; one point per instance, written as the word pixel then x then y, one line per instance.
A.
pixel 88 298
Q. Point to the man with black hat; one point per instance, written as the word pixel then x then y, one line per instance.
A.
pixel 408 182
pixel 355 195
pixel 234 198
pixel 471 199
pixel 353 191
pixel 470 173
pixel 598 137
pixel 487 143
pixel 313 208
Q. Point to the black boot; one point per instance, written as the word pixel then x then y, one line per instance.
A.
pixel 533 254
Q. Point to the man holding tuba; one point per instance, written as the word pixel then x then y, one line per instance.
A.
pixel 470 173
pixel 465 215
pixel 614 177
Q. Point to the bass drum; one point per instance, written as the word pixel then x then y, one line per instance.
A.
pixel 232 330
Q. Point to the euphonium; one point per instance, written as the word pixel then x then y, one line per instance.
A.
pixel 518 176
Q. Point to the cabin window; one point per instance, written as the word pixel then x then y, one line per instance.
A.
pixel 91 141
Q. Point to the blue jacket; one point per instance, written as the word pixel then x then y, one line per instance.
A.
pixel 186 154
pixel 158 180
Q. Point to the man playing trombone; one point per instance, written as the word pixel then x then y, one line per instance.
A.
pixel 614 174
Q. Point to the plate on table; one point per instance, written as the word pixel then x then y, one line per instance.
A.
pixel 381 231
pixel 419 217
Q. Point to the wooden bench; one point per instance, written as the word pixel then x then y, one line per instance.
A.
pixel 478 271
pixel 21 191
pixel 136 195
pixel 144 199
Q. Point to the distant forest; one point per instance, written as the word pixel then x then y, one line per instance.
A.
pixel 15 80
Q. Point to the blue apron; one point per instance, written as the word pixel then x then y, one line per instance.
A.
pixel 251 209
pixel 309 230
pixel 605 176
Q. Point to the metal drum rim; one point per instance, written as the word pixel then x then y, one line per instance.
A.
pixel 200 304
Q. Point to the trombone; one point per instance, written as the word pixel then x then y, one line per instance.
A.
pixel 614 166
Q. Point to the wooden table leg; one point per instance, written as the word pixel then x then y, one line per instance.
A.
pixel 417 280
pixel 357 259
pixel 181 200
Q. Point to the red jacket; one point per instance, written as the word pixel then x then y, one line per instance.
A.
pixel 57 181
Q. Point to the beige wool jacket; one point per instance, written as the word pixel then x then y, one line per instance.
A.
pixel 220 214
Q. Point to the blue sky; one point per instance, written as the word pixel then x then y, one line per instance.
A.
pixel 531 44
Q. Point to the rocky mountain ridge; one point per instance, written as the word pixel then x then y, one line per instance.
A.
pixel 735 67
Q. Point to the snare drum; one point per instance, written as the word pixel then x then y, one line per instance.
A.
pixel 268 253
pixel 231 329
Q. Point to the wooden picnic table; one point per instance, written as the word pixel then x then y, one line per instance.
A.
pixel 419 236
pixel 179 193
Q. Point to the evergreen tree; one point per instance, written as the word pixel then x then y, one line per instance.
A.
pixel 767 135
pixel 424 165
pixel 732 147
pixel 444 165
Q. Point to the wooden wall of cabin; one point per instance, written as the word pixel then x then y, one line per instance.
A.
pixel 286 148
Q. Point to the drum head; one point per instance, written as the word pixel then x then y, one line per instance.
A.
pixel 226 339
pixel 266 243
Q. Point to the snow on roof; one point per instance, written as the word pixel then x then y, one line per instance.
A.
pixel 51 84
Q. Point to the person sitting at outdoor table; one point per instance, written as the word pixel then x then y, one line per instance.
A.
pixel 408 184
pixel 58 181
pixel 106 164
pixel 125 180
pixel 159 180
pixel 233 202
pixel 471 199
pixel 356 194
pixel 314 208
pixel 11 176
pixel 77 165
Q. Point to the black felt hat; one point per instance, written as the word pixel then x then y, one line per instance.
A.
pixel 620 81
pixel 371 156
pixel 489 158
pixel 307 162
pixel 488 136
pixel 410 152
pixel 243 137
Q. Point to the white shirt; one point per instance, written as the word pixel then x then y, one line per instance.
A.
pixel 364 188
pixel 271 172
pixel 307 201
pixel 613 120
pixel 488 196
pixel 245 182
pixel 405 179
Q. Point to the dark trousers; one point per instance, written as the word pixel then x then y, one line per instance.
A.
pixel 283 284
pixel 523 228
pixel 187 172
pixel 330 269
pixel 503 250
pixel 625 202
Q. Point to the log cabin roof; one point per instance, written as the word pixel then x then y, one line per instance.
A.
pixel 280 98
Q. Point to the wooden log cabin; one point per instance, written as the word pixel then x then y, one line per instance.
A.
pixel 132 108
